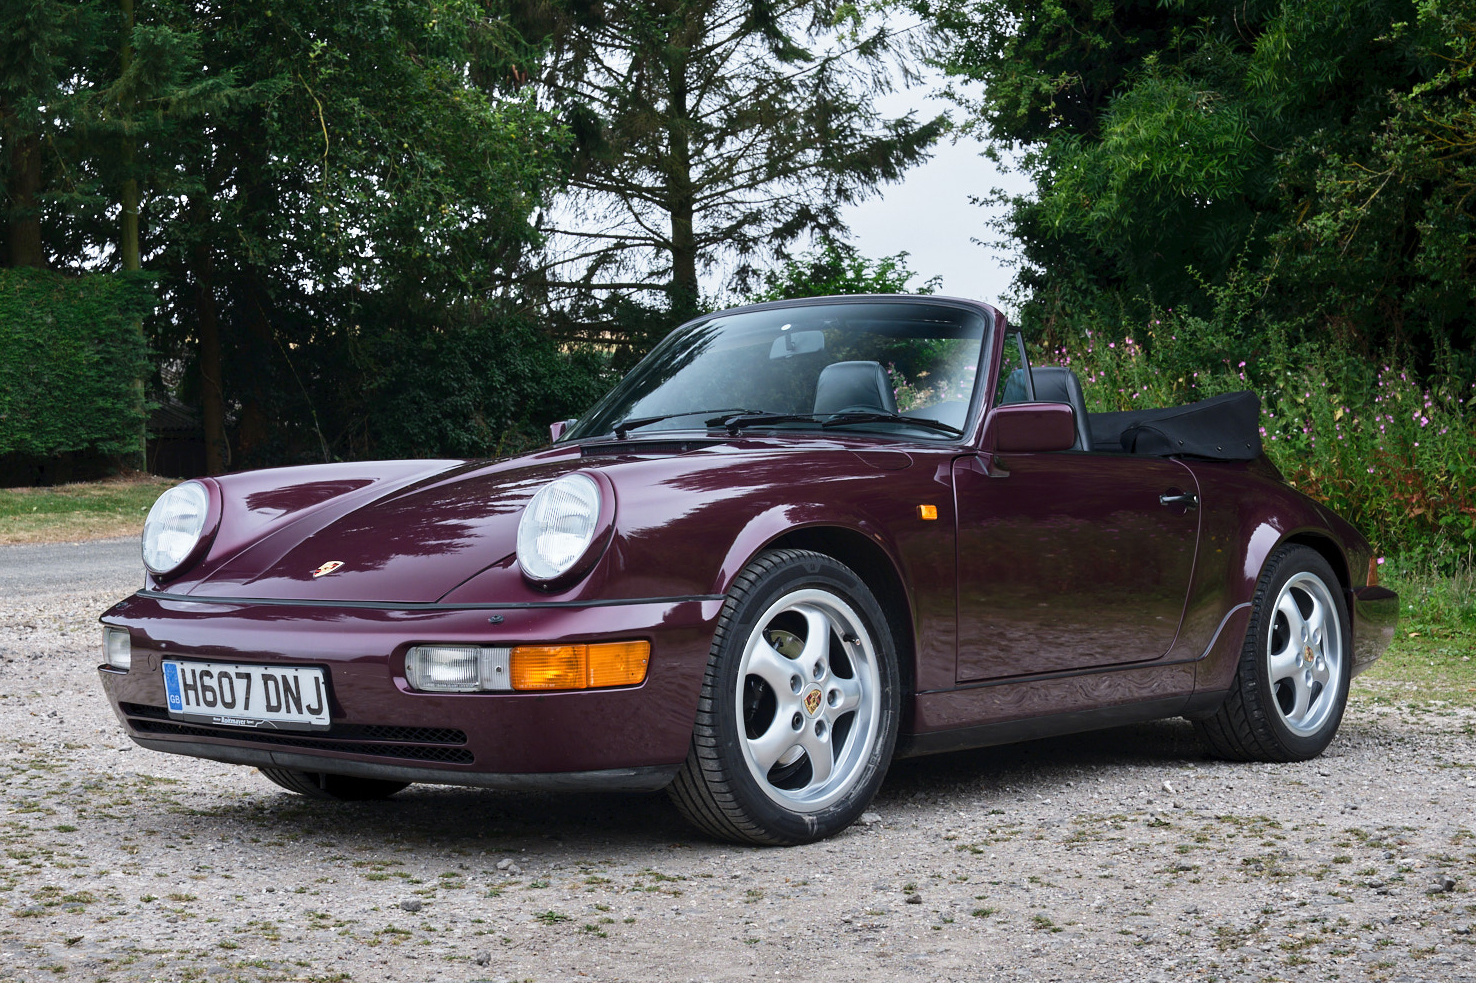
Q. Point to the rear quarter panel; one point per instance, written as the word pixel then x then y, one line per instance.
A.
pixel 1248 511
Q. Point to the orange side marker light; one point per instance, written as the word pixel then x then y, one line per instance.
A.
pixel 552 667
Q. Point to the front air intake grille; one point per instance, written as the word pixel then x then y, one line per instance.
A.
pixel 414 735
pixel 419 743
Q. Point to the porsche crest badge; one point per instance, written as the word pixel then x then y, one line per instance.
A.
pixel 812 701
pixel 327 568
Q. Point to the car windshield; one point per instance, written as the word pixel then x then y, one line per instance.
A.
pixel 902 368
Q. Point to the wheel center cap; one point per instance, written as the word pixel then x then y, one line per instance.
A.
pixel 813 701
pixel 1309 656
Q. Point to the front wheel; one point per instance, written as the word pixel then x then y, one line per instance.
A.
pixel 1288 696
pixel 799 707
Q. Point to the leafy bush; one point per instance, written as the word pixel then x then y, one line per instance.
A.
pixel 479 389
pixel 839 268
pixel 71 359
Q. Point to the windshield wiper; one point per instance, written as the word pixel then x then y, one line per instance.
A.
pixel 758 418
pixel 840 419
pixel 636 422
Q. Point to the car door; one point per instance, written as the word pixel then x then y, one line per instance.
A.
pixel 1070 560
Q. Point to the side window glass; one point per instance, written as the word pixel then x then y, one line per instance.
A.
pixel 1011 376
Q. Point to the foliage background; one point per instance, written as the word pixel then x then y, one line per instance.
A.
pixel 71 358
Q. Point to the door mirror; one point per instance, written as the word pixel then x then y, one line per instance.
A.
pixel 1030 428
pixel 556 430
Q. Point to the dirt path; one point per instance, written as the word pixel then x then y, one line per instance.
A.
pixel 1125 855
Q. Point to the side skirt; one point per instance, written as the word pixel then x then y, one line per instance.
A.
pixel 1053 725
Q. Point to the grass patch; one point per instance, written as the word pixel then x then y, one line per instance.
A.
pixel 1419 670
pixel 1433 656
pixel 90 510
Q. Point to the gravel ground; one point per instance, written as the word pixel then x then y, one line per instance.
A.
pixel 1123 855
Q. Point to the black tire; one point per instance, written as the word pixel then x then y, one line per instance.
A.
pixel 723 788
pixel 321 785
pixel 1259 720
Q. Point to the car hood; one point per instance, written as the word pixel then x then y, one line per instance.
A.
pixel 404 538
pixel 418 532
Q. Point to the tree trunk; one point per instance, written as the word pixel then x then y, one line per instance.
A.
pixel 25 212
pixel 683 291
pixel 128 244
pixel 212 395
pixel 255 427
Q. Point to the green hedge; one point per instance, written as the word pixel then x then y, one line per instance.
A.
pixel 71 359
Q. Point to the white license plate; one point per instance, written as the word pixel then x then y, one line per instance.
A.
pixel 262 697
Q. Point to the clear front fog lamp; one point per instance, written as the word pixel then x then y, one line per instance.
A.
pixel 457 668
pixel 117 648
pixel 174 526
pixel 558 525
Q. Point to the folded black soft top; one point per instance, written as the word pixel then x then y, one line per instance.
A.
pixel 1221 428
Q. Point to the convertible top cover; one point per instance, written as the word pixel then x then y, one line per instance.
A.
pixel 1221 428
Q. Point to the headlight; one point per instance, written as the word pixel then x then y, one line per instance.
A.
pixel 174 526
pixel 558 525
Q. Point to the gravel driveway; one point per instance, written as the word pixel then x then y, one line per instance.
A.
pixel 1124 855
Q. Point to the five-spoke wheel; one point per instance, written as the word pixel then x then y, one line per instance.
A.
pixel 798 715
pixel 809 701
pixel 1304 654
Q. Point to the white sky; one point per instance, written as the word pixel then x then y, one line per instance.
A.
pixel 930 216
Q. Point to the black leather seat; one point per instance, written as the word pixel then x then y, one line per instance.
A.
pixel 1054 384
pixel 854 387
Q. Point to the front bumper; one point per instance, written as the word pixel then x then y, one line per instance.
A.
pixel 628 737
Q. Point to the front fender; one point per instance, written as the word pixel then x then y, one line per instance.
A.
pixel 781 520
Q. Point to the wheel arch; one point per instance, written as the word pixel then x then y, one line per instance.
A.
pixel 1326 547
pixel 878 570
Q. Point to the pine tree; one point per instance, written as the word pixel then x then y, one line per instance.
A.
pixel 715 131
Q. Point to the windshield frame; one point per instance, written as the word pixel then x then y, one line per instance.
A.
pixel 576 432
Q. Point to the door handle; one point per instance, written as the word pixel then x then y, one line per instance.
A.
pixel 1187 499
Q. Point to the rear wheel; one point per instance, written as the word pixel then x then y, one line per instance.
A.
pixel 321 785
pixel 798 713
pixel 1288 696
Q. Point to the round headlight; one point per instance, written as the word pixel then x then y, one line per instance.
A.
pixel 558 525
pixel 174 526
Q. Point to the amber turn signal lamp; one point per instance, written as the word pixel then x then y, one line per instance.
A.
pixel 547 667
pixel 928 512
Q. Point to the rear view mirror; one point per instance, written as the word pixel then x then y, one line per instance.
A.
pixel 1030 428
pixel 797 343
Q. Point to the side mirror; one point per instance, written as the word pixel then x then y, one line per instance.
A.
pixel 556 430
pixel 1030 428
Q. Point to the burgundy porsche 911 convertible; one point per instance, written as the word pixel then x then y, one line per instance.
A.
pixel 798 540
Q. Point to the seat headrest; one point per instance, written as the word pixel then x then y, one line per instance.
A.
pixel 857 386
